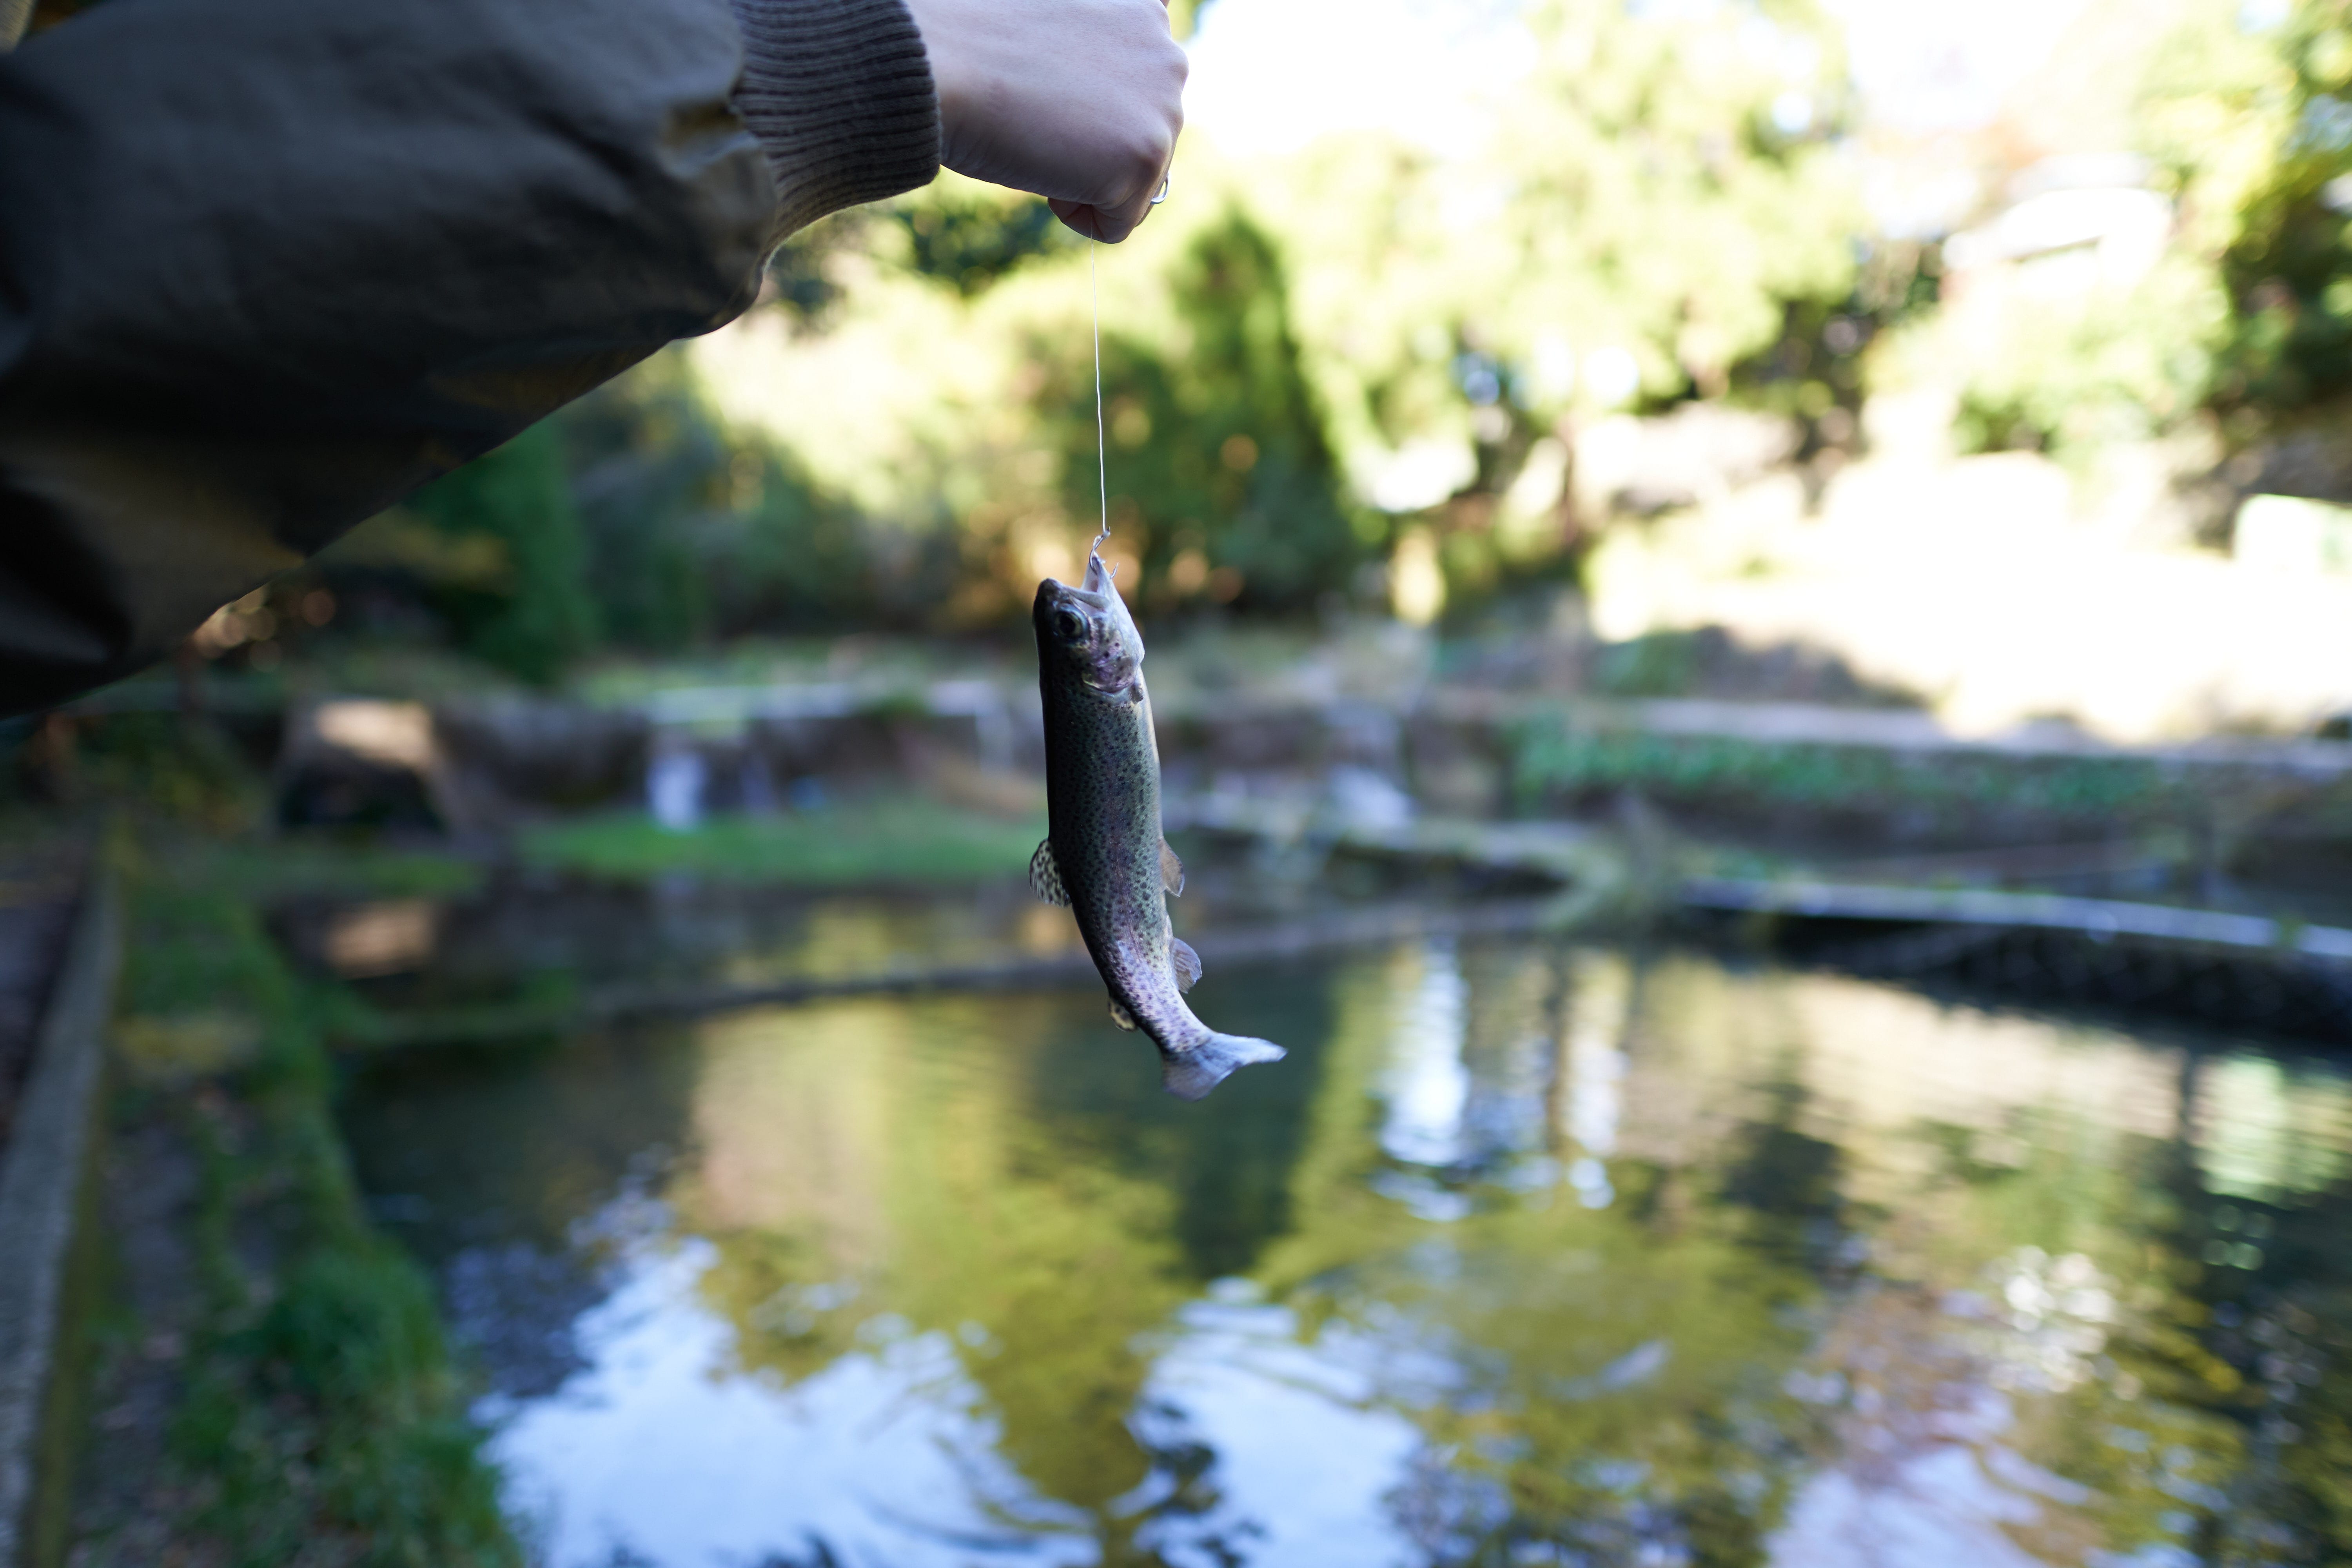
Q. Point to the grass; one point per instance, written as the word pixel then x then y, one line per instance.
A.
pixel 259 871
pixel 899 839
pixel 322 1420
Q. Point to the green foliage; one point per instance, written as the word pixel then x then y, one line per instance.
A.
pixel 2289 268
pixel 2068 378
pixel 1667 186
pixel 1226 482
pixel 1563 758
pixel 967 237
pixel 1658 664
pixel 803 273
pixel 539 616
pixel 1652 193
pixel 698 530
pixel 181 768
pixel 1663 214
pixel 264 871
pixel 636 518
pixel 647 464
pixel 1817 371
pixel 2249 315
pixel 896 840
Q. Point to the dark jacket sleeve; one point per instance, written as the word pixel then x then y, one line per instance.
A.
pixel 267 265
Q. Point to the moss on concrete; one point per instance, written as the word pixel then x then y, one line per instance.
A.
pixel 321 1418
pixel 1557 760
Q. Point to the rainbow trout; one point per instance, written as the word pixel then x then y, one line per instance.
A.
pixel 1104 856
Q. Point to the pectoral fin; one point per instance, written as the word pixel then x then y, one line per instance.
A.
pixel 1187 961
pixel 1045 874
pixel 1171 870
pixel 1121 1016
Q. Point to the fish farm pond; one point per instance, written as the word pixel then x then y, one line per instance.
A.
pixel 1539 1248
pixel 1710 1136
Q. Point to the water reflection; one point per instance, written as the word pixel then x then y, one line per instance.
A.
pixel 1529 1255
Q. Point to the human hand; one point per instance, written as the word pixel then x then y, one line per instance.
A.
pixel 1078 101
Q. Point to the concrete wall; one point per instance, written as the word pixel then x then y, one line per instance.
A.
pixel 44 1190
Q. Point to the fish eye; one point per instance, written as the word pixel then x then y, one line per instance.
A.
pixel 1069 626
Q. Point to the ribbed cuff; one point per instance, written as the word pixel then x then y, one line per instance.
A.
pixel 839 93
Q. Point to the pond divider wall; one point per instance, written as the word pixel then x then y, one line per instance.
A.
pixel 45 1189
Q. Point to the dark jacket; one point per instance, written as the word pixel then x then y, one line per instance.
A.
pixel 267 265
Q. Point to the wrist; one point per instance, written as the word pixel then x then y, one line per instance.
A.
pixel 841 96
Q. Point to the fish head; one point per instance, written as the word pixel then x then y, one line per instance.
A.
pixel 1085 633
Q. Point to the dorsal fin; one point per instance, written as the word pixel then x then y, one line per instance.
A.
pixel 1171 869
pixel 1045 874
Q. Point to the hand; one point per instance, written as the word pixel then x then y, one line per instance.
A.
pixel 1078 101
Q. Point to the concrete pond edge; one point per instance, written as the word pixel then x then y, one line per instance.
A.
pixel 45 1175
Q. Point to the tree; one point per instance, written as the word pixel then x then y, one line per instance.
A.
pixel 1226 482
pixel 2288 267
pixel 1662 186
pixel 539 616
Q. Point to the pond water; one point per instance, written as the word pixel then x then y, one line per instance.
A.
pixel 1530 1254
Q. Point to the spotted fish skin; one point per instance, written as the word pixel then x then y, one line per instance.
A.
pixel 1105 855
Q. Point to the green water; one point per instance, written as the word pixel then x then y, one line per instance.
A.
pixel 1528 1255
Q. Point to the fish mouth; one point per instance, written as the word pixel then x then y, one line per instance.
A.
pixel 1052 592
pixel 1095 592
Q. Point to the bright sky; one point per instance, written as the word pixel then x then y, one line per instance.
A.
pixel 1926 65
pixel 1270 75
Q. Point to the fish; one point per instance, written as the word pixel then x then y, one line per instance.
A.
pixel 1105 855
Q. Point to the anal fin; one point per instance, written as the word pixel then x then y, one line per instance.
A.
pixel 1187 963
pixel 1045 874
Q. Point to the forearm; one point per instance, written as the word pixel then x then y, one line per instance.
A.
pixel 266 266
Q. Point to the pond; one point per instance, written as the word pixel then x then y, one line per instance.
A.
pixel 1530 1254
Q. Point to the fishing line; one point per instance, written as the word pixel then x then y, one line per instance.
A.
pixel 1102 447
pixel 1102 454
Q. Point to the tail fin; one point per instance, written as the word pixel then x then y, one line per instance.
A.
pixel 1192 1074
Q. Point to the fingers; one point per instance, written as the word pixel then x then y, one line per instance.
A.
pixel 1112 216
pixel 1127 215
pixel 1109 222
pixel 1079 101
pixel 1080 217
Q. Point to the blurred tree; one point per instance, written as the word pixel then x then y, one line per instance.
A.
pixel 2248 315
pixel 536 613
pixel 2288 267
pixel 646 462
pixel 804 274
pixel 1817 372
pixel 1225 484
pixel 968 236
pixel 1662 202
pixel 698 529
